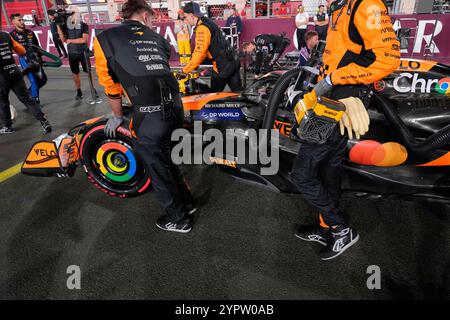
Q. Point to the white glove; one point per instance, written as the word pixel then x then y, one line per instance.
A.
pixel 355 119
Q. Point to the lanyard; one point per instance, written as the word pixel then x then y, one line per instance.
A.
pixel 334 23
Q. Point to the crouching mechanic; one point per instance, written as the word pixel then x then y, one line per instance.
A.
pixel 210 43
pixel 268 49
pixel 11 78
pixel 361 48
pixel 134 60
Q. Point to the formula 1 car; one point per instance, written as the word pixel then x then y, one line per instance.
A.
pixel 406 152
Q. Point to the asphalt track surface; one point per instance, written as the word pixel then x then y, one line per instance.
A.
pixel 241 247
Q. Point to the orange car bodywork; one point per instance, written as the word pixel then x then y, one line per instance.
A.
pixel 198 101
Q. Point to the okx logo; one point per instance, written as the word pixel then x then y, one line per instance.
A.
pixel 443 86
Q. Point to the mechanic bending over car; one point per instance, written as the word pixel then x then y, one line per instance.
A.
pixel 31 61
pixel 134 60
pixel 361 48
pixel 274 46
pixel 11 78
pixel 211 43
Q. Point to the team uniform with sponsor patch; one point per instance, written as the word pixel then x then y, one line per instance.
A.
pixel 361 49
pixel 133 60
pixel 361 45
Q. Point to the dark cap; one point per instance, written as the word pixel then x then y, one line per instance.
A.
pixel 194 8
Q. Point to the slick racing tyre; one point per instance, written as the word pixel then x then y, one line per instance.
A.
pixel 111 164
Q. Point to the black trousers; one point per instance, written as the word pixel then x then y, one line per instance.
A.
pixel 154 147
pixel 317 168
pixel 316 173
pixel 13 80
pixel 234 81
pixel 301 38
pixel 322 32
pixel 59 45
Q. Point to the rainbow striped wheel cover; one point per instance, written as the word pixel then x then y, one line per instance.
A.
pixel 105 159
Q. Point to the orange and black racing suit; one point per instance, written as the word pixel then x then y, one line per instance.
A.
pixel 132 59
pixel 361 48
pixel 211 43
pixel 11 79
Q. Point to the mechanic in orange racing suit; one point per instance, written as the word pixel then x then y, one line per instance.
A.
pixel 361 48
pixel 11 78
pixel 211 43
pixel 134 60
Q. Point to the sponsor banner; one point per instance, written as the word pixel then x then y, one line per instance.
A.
pixel 219 105
pixel 407 82
pixel 219 114
pixel 422 40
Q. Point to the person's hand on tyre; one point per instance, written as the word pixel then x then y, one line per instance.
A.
pixel 113 123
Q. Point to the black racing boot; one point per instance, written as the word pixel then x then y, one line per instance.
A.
pixel 46 127
pixel 342 238
pixel 314 234
pixel 165 224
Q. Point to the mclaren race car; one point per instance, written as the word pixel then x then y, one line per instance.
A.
pixel 406 152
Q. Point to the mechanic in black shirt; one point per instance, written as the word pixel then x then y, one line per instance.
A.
pixel 11 79
pixel 268 49
pixel 31 61
pixel 76 36
pixel 132 59
pixel 321 20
